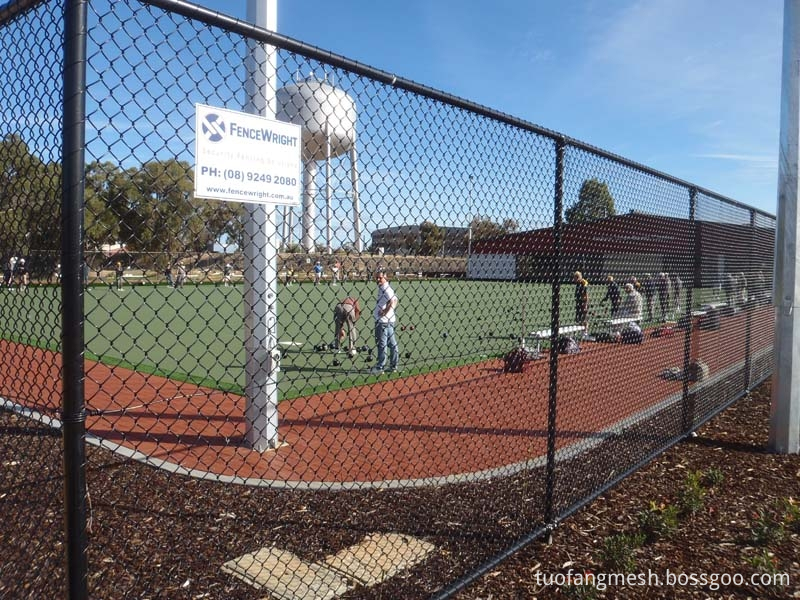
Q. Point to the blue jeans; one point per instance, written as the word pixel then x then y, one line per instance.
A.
pixel 384 336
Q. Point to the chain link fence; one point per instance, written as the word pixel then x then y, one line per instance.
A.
pixel 263 415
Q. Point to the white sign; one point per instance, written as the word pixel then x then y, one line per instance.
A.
pixel 246 158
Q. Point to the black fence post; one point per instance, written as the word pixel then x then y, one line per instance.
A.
pixel 555 319
pixel 688 404
pixel 73 182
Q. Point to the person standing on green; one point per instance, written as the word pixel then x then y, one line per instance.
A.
pixel 346 313
pixel 613 295
pixel 384 325
pixel 118 273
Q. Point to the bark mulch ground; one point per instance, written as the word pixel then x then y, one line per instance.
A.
pixel 715 505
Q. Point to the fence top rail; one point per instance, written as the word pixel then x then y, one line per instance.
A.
pixel 234 25
pixel 11 10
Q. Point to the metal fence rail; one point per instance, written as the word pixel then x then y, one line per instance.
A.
pixel 563 315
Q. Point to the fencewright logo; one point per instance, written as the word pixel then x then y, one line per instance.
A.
pixel 213 127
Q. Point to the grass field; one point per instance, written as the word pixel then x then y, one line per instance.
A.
pixel 195 334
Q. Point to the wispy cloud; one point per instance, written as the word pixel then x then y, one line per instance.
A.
pixel 749 158
pixel 699 81
pixel 666 54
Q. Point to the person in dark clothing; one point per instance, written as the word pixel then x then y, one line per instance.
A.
pixel 612 295
pixel 7 274
pixel 23 275
pixel 85 273
pixel 649 289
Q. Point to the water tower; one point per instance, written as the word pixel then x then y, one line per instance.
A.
pixel 328 118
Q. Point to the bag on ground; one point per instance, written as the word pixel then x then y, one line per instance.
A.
pixel 567 345
pixel 515 361
pixel 632 334
pixel 710 321
pixel 665 331
pixel 605 337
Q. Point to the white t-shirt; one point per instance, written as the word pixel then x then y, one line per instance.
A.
pixel 385 296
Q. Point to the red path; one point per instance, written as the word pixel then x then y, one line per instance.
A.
pixel 460 421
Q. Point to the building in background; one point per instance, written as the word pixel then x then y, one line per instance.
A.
pixel 628 245
pixel 408 240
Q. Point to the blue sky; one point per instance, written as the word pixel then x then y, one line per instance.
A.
pixel 686 87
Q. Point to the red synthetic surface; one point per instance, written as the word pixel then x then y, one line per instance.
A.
pixel 461 420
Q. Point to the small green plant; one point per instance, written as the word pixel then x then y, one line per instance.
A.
pixel 619 551
pixel 713 477
pixel 764 562
pixel 766 529
pixel 579 592
pixel 791 515
pixel 691 498
pixel 658 521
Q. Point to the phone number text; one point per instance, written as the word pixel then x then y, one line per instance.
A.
pixel 253 176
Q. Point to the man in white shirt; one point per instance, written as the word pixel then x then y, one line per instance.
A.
pixel 384 325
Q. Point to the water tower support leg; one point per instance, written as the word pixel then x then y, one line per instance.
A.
pixel 309 206
pixel 359 245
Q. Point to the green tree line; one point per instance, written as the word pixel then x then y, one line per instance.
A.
pixel 30 201
pixel 149 208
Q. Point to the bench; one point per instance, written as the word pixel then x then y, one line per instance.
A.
pixel 545 334
pixel 619 323
pixel 707 317
pixel 135 279
pixel 290 345
pixel 713 306
pixel 709 307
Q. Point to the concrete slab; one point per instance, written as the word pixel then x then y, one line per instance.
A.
pixel 285 576
pixel 379 556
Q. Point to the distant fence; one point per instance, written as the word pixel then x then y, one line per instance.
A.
pixel 176 419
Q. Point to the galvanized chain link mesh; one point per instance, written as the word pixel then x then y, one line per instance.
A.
pixel 502 243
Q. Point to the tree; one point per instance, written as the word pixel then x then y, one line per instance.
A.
pixel 30 204
pixel 411 243
pixel 108 189
pixel 484 227
pixel 149 208
pixel 594 202
pixel 43 228
pixel 162 216
pixel 510 225
pixel 225 220
pixel 431 239
pixel 349 248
